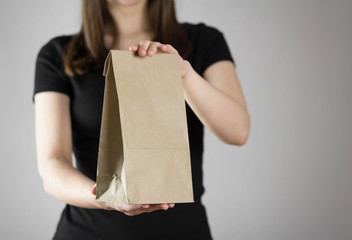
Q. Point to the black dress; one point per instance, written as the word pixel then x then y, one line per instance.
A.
pixel 185 220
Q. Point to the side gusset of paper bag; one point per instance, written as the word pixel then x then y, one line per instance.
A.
pixel 144 154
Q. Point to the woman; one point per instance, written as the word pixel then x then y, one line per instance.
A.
pixel 68 96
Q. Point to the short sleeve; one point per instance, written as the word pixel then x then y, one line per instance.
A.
pixel 214 47
pixel 49 74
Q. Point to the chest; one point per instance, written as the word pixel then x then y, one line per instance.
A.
pixel 87 106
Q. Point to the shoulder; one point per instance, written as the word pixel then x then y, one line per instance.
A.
pixel 55 45
pixel 201 30
pixel 51 54
pixel 208 45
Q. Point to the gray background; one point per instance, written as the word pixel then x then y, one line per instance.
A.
pixel 292 179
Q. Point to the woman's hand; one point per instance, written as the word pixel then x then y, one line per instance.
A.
pixel 132 209
pixel 149 48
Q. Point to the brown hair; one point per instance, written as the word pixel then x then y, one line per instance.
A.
pixel 87 50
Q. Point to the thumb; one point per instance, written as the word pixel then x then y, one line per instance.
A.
pixel 94 189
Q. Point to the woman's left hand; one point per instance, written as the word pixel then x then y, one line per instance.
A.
pixel 149 48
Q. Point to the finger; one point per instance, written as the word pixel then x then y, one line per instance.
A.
pixel 167 48
pixel 171 205
pixel 163 206
pixel 143 47
pixel 133 48
pixel 94 190
pixel 153 48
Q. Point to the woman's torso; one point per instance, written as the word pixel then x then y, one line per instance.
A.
pixel 184 221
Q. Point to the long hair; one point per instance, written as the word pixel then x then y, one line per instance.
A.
pixel 87 50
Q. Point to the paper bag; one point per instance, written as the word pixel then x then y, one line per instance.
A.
pixel 144 155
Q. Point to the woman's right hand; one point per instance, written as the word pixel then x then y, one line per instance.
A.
pixel 132 209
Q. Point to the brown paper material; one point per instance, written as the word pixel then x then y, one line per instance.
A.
pixel 144 155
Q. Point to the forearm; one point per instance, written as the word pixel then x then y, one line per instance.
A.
pixel 63 181
pixel 220 113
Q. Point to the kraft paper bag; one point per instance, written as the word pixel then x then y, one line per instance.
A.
pixel 144 155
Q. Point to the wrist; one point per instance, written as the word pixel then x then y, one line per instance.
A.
pixel 101 205
pixel 93 199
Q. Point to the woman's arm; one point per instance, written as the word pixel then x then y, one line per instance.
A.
pixel 218 102
pixel 54 158
pixel 54 151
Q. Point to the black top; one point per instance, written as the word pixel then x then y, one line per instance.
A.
pixel 185 220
